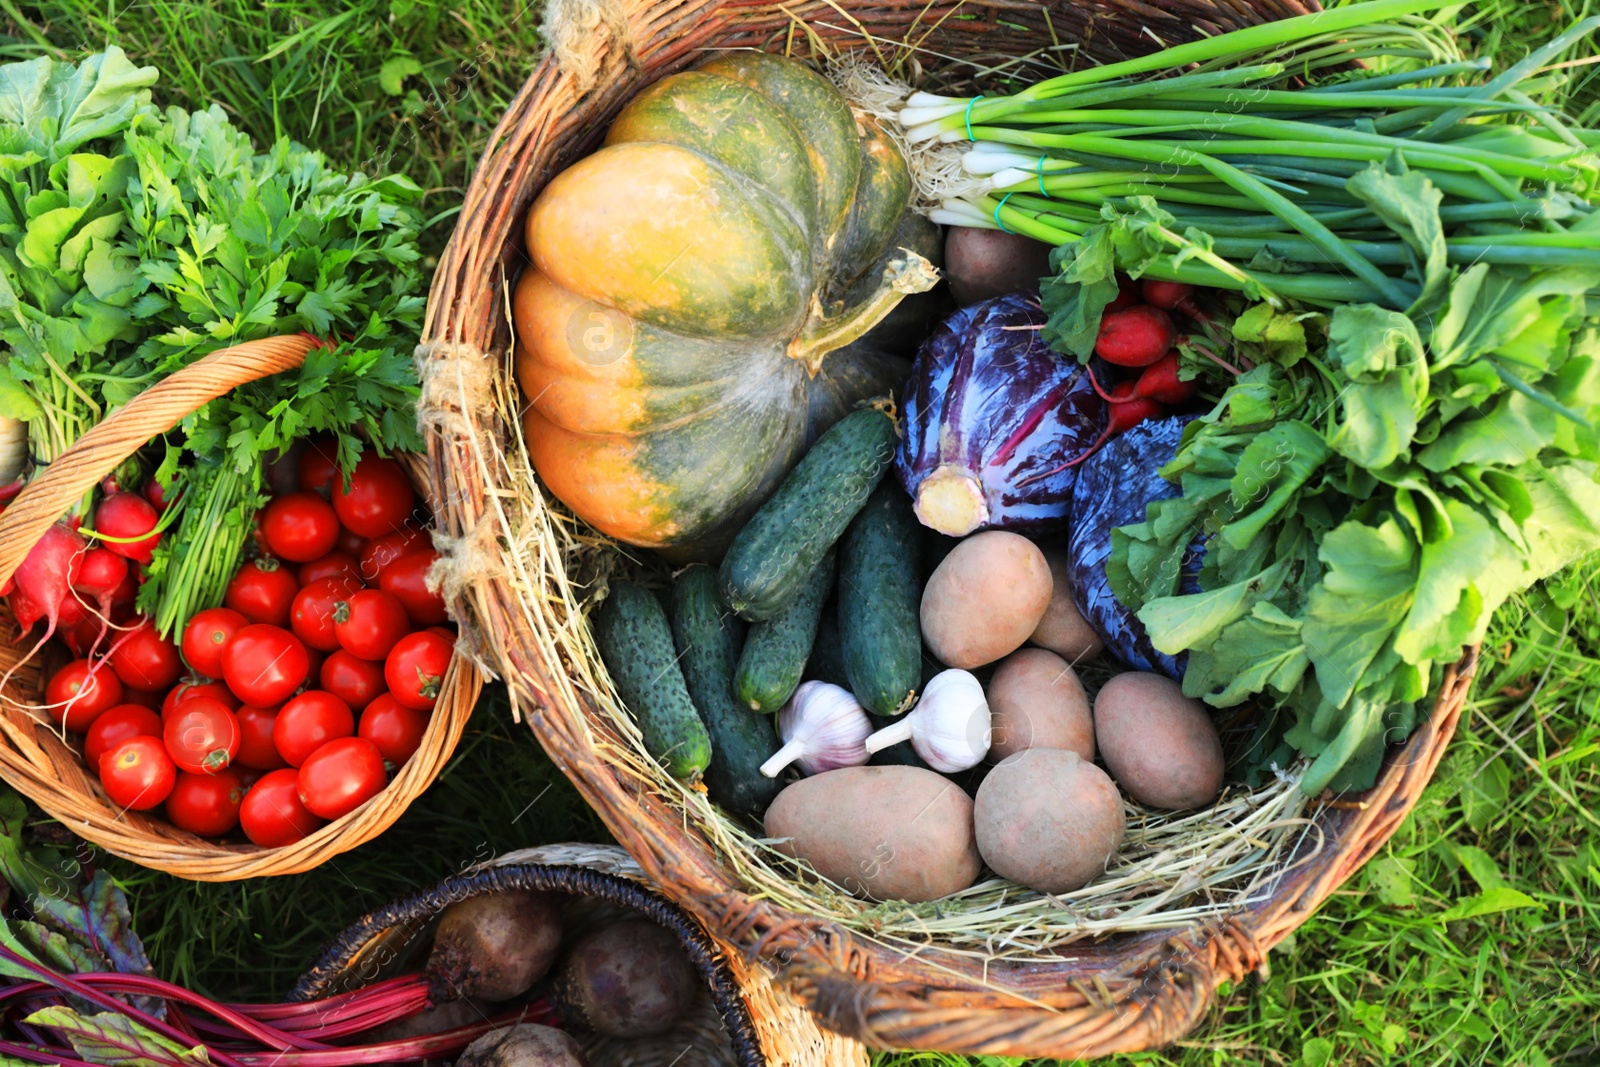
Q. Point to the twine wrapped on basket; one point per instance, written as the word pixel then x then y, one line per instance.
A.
pixel 1130 962
pixel 35 759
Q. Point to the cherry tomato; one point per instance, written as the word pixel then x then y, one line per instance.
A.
pixel 396 729
pixel 264 665
pixel 335 564
pixel 256 748
pixel 272 815
pixel 446 631
pixel 310 721
pixel 355 681
pixel 206 804
pixel 248 777
pixel 317 465
pixel 300 527
pixel 341 776
pixel 143 659
pixel 202 735
pixel 382 551
pixel 80 691
pixel 207 634
pixel 138 774
pixel 351 544
pixel 313 611
pixel 414 671
pixel 369 622
pixel 378 499
pixel 188 690
pixel 116 725
pixel 144 698
pixel 262 591
pixel 406 579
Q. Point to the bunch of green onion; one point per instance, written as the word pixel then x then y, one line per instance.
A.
pixel 1249 139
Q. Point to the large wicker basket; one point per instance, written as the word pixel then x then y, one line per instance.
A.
pixel 527 572
pixel 37 762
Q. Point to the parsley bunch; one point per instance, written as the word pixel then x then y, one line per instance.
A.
pixel 134 242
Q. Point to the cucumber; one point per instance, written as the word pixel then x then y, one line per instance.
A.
pixel 774 557
pixel 636 645
pixel 826 662
pixel 775 651
pixel 880 603
pixel 708 637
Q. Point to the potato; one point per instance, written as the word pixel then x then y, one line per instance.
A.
pixel 984 600
pixel 983 263
pixel 889 833
pixel 1036 701
pixel 1048 819
pixel 1159 745
pixel 1063 630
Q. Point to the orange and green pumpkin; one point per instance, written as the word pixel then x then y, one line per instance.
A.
pixel 699 291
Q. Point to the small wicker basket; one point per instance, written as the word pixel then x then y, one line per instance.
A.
pixel 599 881
pixel 932 976
pixel 38 763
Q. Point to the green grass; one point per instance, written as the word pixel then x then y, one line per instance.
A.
pixel 1381 975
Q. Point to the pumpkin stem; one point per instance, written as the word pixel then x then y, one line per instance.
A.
pixel 904 275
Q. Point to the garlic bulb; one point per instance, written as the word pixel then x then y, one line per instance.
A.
pixel 822 728
pixel 949 727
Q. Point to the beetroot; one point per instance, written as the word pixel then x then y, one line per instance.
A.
pixel 631 979
pixel 124 519
pixel 1134 337
pixel 45 578
pixel 526 1045
pixel 495 946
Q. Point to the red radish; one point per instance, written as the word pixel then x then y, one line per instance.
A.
pixel 1134 337
pixel 45 578
pixel 156 493
pixel 1167 295
pixel 1160 382
pixel 100 576
pixel 1124 411
pixel 127 518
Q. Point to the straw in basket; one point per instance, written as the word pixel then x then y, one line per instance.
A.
pixel 38 763
pixel 1130 962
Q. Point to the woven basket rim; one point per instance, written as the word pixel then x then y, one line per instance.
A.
pixel 1148 989
pixel 38 763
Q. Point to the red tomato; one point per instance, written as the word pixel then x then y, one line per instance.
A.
pixel 116 725
pixel 272 815
pixel 256 748
pixel 143 659
pixel 378 499
pixel 310 721
pixel 406 579
pixel 207 634
pixel 138 774
pixel 396 729
pixel 355 681
pixel 144 698
pixel 317 464
pixel 414 671
pixel 202 735
pixel 79 692
pixel 315 658
pixel 351 544
pixel 446 631
pixel 188 690
pixel 382 551
pixel 341 776
pixel 248 777
pixel 262 591
pixel 369 622
pixel 300 527
pixel 313 611
pixel 206 804
pixel 335 564
pixel 264 665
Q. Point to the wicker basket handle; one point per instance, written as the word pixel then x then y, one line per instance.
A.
pixel 154 411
